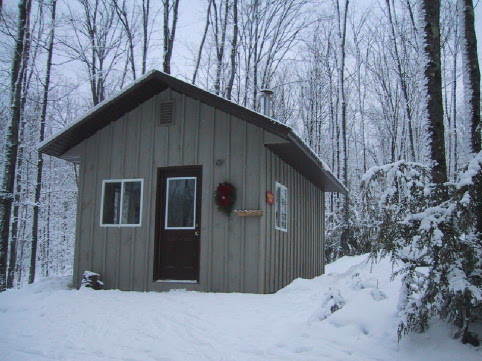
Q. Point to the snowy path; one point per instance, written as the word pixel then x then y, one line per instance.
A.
pixel 46 321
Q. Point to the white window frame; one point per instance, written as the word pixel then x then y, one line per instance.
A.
pixel 122 181
pixel 278 204
pixel 167 202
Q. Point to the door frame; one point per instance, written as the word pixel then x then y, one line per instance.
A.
pixel 160 214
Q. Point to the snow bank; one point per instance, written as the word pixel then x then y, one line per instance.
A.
pixel 50 321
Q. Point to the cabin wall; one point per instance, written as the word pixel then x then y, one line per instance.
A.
pixel 134 147
pixel 299 252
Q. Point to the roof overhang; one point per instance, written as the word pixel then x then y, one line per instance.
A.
pixel 307 164
pixel 296 153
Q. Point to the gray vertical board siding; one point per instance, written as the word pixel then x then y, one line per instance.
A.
pixel 156 156
pixel 298 252
pixel 253 200
pixel 236 176
pixel 144 169
pixel 127 237
pixel 112 266
pixel 220 221
pixel 175 133
pixel 87 203
pixel 205 157
pixel 81 189
pixel 191 128
pixel 262 224
pixel 323 220
pixel 103 172
pixel 268 287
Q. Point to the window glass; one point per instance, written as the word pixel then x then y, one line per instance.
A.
pixel 122 203
pixel 281 207
pixel 181 203
pixel 112 195
pixel 131 203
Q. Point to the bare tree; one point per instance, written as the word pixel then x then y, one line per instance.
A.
pixel 127 18
pixel 341 17
pixel 219 32
pixel 433 76
pixel 472 88
pixel 170 23
pixel 11 144
pixel 234 49
pixel 403 82
pixel 268 31
pixel 43 118
pixel 146 10
pixel 94 41
pixel 203 40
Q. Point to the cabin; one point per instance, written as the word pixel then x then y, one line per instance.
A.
pixel 160 164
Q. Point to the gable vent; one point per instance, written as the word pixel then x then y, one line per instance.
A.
pixel 167 112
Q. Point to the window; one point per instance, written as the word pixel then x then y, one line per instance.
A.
pixel 281 208
pixel 180 203
pixel 121 203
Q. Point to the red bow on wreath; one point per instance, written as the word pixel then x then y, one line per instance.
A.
pixel 224 197
pixel 224 193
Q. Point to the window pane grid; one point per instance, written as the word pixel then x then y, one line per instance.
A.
pixel 122 202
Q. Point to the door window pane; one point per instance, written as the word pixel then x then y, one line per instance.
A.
pixel 181 203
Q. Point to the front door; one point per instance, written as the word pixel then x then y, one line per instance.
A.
pixel 178 221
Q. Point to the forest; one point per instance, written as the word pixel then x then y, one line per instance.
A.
pixel 386 92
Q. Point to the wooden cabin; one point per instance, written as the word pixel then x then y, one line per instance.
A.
pixel 151 159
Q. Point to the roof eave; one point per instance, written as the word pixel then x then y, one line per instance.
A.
pixel 332 184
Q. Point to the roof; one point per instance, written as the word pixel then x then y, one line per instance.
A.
pixel 296 153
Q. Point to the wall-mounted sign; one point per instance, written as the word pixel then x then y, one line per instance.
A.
pixel 270 198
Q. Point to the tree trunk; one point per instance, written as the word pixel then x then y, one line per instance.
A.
pixel 145 32
pixel 403 84
pixel 234 49
pixel 220 26
pixel 206 28
pixel 342 20
pixel 169 32
pixel 124 19
pixel 472 72
pixel 43 117
pixel 433 77
pixel 11 144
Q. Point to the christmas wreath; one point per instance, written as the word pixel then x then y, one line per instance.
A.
pixel 224 197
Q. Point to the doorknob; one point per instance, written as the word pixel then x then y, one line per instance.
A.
pixel 196 233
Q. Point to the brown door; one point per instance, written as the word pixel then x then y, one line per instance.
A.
pixel 178 223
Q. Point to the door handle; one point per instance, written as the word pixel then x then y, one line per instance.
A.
pixel 196 233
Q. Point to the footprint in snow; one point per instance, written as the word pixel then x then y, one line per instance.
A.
pixel 378 295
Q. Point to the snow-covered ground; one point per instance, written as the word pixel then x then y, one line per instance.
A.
pixel 49 321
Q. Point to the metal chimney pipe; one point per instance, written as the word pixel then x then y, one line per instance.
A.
pixel 266 101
